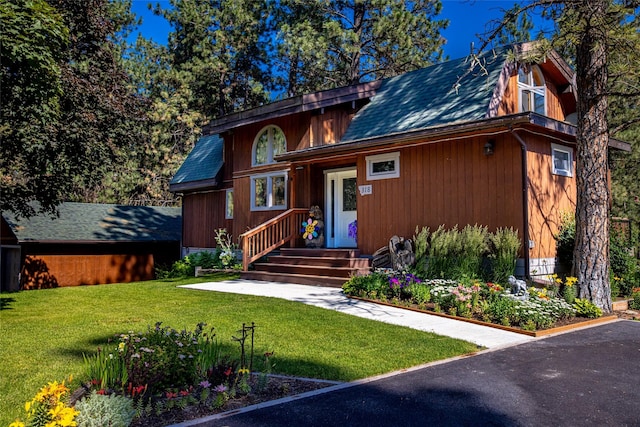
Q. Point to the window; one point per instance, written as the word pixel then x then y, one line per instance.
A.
pixel 269 191
pixel 531 89
pixel 269 143
pixel 228 210
pixel 383 166
pixel 562 158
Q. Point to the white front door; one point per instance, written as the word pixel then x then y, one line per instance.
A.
pixel 340 207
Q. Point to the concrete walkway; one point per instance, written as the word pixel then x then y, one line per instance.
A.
pixel 334 299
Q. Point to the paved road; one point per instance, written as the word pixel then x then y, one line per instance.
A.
pixel 589 377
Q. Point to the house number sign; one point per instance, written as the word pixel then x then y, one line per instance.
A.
pixel 365 190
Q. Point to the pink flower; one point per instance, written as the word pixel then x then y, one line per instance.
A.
pixel 220 388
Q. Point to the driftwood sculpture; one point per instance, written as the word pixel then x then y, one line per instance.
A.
pixel 401 253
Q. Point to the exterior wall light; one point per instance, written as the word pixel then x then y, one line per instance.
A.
pixel 488 147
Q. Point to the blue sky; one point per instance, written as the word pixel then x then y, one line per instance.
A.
pixel 467 19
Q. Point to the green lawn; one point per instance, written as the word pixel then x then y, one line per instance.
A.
pixel 44 333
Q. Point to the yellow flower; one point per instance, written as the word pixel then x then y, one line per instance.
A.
pixel 571 281
pixel 17 423
pixel 243 371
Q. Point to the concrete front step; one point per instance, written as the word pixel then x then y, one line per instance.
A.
pixel 299 279
pixel 310 269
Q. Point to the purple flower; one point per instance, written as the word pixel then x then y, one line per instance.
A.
pixel 220 388
pixel 205 384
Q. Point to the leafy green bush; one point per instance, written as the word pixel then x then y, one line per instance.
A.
pixel 97 410
pixel 374 285
pixel 624 266
pixel 504 254
pixel 444 248
pixel 454 254
pixel 186 267
pixel 585 308
pixel 503 311
pixel 566 239
pixel 421 244
pixel 634 304
pixel 473 247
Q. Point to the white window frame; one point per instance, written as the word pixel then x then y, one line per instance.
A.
pixel 380 158
pixel 228 207
pixel 269 176
pixel 555 148
pixel 539 90
pixel 271 129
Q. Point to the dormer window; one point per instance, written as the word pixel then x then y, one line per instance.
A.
pixel 269 143
pixel 531 89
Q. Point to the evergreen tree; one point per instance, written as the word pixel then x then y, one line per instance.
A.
pixel 333 43
pixel 597 31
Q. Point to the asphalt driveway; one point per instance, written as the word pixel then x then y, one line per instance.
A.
pixel 589 377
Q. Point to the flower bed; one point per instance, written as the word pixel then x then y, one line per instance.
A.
pixel 476 301
pixel 160 377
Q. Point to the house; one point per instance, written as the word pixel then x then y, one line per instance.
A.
pixel 88 244
pixel 441 145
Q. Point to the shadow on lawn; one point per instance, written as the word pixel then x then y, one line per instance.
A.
pixel 5 303
pixel 280 365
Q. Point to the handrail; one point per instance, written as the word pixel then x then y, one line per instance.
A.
pixel 271 234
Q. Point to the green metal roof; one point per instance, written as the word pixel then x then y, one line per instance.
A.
pixel 202 165
pixel 426 98
pixel 88 222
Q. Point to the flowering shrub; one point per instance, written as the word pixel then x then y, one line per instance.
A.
pixel 49 408
pixel 154 361
pixel 489 302
pixel 457 300
pixel 227 248
pixel 165 370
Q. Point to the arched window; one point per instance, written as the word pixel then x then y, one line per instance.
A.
pixel 531 89
pixel 269 143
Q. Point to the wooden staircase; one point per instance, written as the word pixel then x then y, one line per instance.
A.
pixel 319 267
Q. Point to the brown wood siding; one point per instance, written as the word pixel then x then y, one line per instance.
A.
pixel 329 127
pixel 203 213
pixel 510 103
pixel 549 196
pixel 449 183
pixel 51 271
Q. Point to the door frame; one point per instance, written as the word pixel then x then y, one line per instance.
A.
pixel 329 176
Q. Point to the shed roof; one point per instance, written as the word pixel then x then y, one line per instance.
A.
pixel 202 165
pixel 88 222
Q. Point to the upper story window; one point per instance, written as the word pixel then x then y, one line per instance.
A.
pixel 531 89
pixel 269 143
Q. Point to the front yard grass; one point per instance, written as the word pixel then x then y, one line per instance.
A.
pixel 44 333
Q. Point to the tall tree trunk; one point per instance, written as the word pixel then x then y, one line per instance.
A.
pixel 359 11
pixel 591 254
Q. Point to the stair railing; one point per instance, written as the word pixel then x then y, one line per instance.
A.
pixel 271 235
